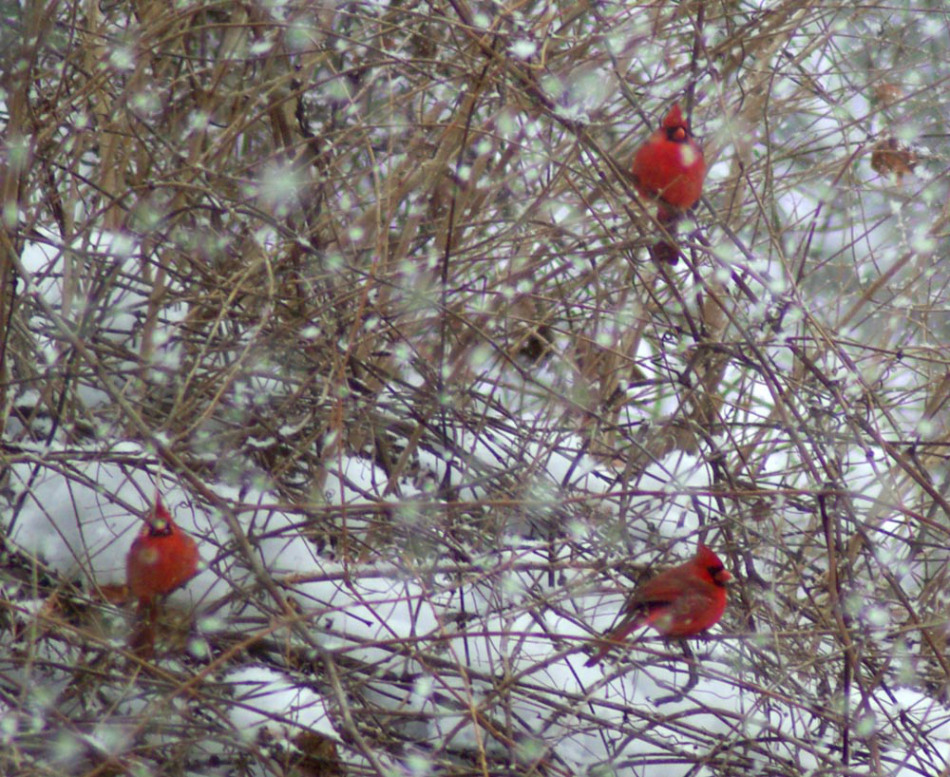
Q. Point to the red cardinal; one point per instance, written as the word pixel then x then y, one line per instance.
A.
pixel 680 602
pixel 161 559
pixel 669 169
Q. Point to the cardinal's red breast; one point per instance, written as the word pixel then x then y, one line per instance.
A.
pixel 161 558
pixel 670 166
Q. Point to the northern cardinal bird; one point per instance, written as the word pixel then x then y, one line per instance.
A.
pixel 680 602
pixel 669 169
pixel 161 559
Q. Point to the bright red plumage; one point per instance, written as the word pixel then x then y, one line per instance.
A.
pixel 680 602
pixel 669 169
pixel 162 557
